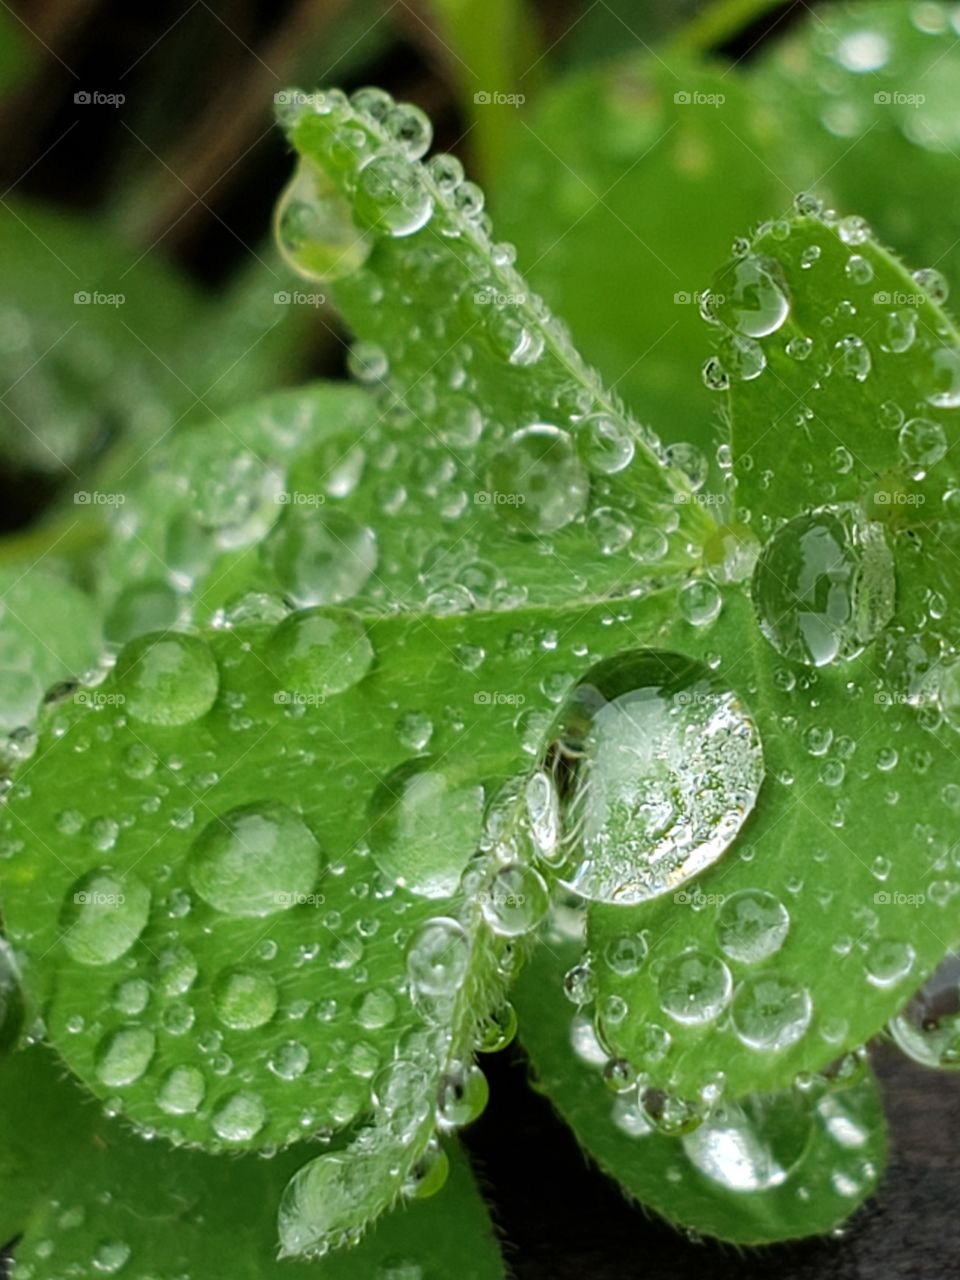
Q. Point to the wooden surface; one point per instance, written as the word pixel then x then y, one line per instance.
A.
pixel 565 1221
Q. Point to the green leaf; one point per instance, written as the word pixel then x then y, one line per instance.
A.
pixel 49 632
pixel 86 1196
pixel 844 656
pixel 773 1168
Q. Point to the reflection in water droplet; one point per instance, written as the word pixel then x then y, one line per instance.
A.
pixel 124 1055
pixel 751 925
pixel 695 987
pixel 824 586
pixel 928 1029
pixel 424 827
pixel 758 300
pixel 751 1145
pixel 317 653
pixel 255 860
pixel 315 229
pixel 770 1011
pixel 167 678
pixel 536 481
pixel 657 765
pixel 320 557
pixel 103 915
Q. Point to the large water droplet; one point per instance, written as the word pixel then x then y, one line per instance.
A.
pixel 181 1091
pixel 167 678
pixel 750 1145
pixel 824 586
pixel 244 998
pixel 657 765
pixel 315 229
pixel 751 925
pixel 392 196
pixel 425 827
pixel 320 557
pixel 240 1117
pixel 770 1011
pixel 319 654
pixel 438 957
pixel 124 1055
pixel 254 860
pixel 103 915
pixel 928 1029
pixel 757 297
pixel 536 482
pixel 695 987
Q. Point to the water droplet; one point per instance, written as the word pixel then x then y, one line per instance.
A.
pixel 181 1091
pixel 888 962
pixel 103 915
pixel 928 1029
pixel 320 557
pixel 699 602
pixel 392 196
pixel 770 1011
pixel 824 586
pixel 424 827
pixel 167 678
pixel 922 444
pixel 516 901
pixel 536 481
pixel 319 654
pixel 244 998
pixel 315 229
pixel 462 1097
pixel 656 764
pixel 289 1060
pixel 695 987
pixel 124 1055
pixel 604 444
pixel 254 860
pixel 757 297
pixel 750 1145
pixel 438 957
pixel 239 1117
pixel 751 925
